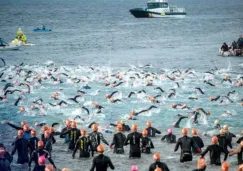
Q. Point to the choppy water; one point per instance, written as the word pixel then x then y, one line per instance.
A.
pixel 103 34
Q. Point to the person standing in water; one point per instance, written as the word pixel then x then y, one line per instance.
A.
pixel 158 163
pixel 151 131
pixel 215 151
pixel 239 153
pixel 170 138
pixel 118 140
pixel 21 145
pixel 146 143
pixel 197 140
pixel 95 137
pixel 101 162
pixel 83 144
pixel 186 143
pixel 134 139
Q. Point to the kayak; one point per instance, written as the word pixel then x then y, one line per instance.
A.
pixel 21 43
pixel 10 47
pixel 40 30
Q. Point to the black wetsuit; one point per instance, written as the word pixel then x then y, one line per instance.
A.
pixel 217 126
pixel 159 164
pixel 186 143
pixel 73 135
pixel 134 140
pixel 21 145
pixel 146 145
pixel 224 47
pixel 170 138
pixel 40 152
pixel 118 140
pixel 239 140
pixel 48 144
pixel 66 135
pixel 4 164
pixel 215 151
pixel 33 142
pixel 200 169
pixel 101 163
pixel 125 127
pixel 224 142
pixel 84 145
pixel 152 131
pixel 177 124
pixel 229 135
pixel 95 138
pixel 39 168
pixel 199 143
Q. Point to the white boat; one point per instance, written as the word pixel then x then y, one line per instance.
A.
pixel 10 47
pixel 158 9
pixel 236 52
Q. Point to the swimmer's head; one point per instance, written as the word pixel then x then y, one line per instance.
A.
pixel 26 127
pixel 134 127
pixel 74 124
pixel 49 167
pixel 225 166
pixel 226 127
pixel 214 140
pixel 149 124
pixel 33 133
pixel 170 131
pixel 41 160
pixel 95 127
pixel 83 132
pixel 201 163
pixel 184 131
pixel 44 128
pixel 134 168
pixel 119 127
pixel 40 144
pixel 23 123
pixel 194 131
pixel 47 134
pixel 22 109
pixel 156 156
pixel 145 132
pixel 68 123
pixel 20 133
pixel 100 148
pixel 216 122
pixel 222 132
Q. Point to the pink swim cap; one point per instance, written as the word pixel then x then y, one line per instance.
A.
pixel 169 130
pixel 42 160
pixel 134 168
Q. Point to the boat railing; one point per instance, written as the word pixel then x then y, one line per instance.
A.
pixel 173 8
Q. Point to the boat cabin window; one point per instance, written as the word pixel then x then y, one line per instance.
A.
pixel 157 5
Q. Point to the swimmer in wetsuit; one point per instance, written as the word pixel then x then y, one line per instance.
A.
pixel 186 143
pixel 83 145
pixel 146 143
pixel 21 145
pixel 118 140
pixel 151 131
pixel 101 162
pixel 170 138
pixel 158 163
pixel 215 151
pixel 134 139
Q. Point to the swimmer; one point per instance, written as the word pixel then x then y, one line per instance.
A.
pixel 146 143
pixel 200 90
pixel 239 153
pixel 142 111
pixel 118 140
pixel 151 131
pixel 134 140
pixel 157 163
pixel 215 152
pixel 75 98
pixel 170 138
pixel 101 161
pixel 197 140
pixel 186 143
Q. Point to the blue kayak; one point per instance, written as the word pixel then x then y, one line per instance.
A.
pixel 40 30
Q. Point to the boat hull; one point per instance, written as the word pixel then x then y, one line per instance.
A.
pixel 141 13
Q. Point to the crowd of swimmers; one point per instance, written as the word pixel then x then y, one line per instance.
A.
pixel 32 149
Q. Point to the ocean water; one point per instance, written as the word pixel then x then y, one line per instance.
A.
pixel 103 34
